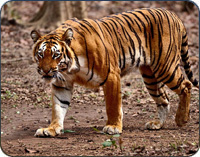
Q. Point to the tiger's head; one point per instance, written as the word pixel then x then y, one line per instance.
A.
pixel 53 54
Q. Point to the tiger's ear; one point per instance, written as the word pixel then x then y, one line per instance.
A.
pixel 35 35
pixel 68 35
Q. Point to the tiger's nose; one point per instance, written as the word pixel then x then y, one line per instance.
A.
pixel 43 71
pixel 46 71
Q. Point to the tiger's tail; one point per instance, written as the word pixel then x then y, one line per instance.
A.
pixel 185 60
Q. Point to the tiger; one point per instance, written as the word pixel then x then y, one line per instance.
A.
pixel 97 53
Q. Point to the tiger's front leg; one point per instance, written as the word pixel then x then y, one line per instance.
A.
pixel 112 93
pixel 61 98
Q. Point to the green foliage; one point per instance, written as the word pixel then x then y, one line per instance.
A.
pixel 138 100
pixel 68 131
pixel 92 95
pixel 75 120
pixel 95 129
pixel 9 95
pixel 111 141
pixel 174 146
pixel 126 94
pixel 116 135
pixel 2 97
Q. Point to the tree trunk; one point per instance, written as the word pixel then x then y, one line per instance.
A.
pixel 79 9
pixel 53 13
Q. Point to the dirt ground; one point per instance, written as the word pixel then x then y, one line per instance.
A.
pixel 26 105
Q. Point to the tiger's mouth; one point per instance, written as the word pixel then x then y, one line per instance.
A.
pixel 56 75
pixel 47 77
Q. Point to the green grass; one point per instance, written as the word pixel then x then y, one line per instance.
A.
pixel 8 95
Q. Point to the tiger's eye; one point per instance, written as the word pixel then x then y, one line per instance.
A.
pixel 56 54
pixel 40 53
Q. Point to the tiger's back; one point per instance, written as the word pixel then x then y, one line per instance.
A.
pixel 142 37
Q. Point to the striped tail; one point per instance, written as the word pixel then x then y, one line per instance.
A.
pixel 185 59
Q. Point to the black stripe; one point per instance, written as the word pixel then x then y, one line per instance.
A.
pixel 105 38
pixel 159 20
pixel 138 62
pixel 122 48
pixel 185 43
pixel 184 36
pixel 169 51
pixel 167 66
pixel 82 25
pixel 138 25
pixel 154 95
pixel 118 40
pixel 166 70
pixel 91 73
pixel 180 80
pixel 195 82
pixel 136 35
pixel 55 43
pixel 164 105
pixel 172 76
pixel 157 89
pixel 147 76
pixel 159 14
pixel 149 10
pixel 145 16
pixel 124 57
pixel 187 66
pixel 65 88
pixel 101 84
pixel 150 48
pixel 130 52
pixel 144 27
pixel 154 58
pixel 99 27
pixel 63 101
pixel 150 84
pixel 133 47
pixel 130 39
pixel 190 75
pixel 120 63
pixel 107 56
pixel 120 25
pixel 160 50
pixel 144 56
pixel 151 89
pixel 128 18
pixel 152 32
pixel 86 51
pixel 184 55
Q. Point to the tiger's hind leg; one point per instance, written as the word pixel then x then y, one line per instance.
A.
pixel 182 87
pixel 158 94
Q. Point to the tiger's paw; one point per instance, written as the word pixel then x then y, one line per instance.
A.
pixel 154 125
pixel 181 120
pixel 182 116
pixel 112 129
pixel 48 132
